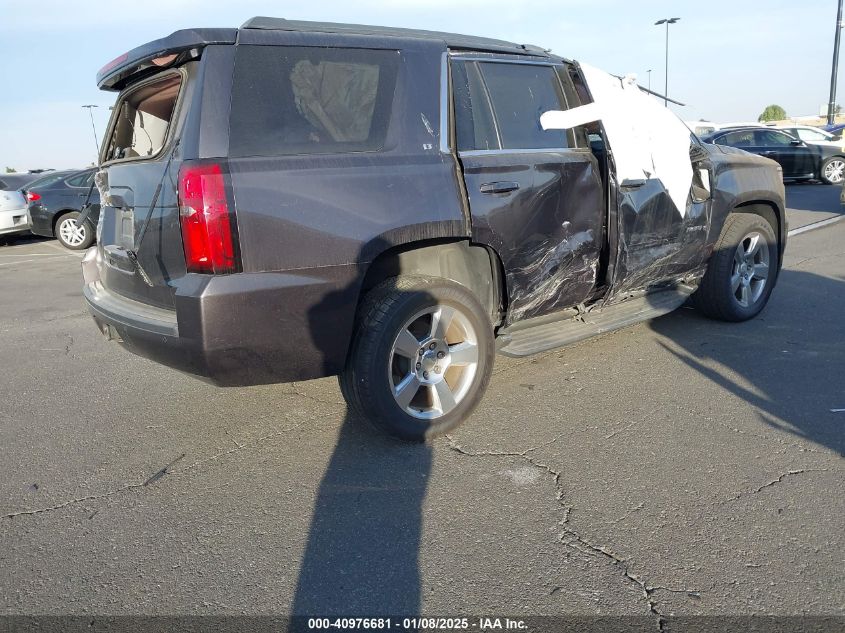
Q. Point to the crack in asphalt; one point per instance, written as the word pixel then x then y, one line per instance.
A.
pixel 157 475
pixel 571 537
pixel 777 480
pixel 147 482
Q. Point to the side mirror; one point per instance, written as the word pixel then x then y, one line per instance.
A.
pixel 796 143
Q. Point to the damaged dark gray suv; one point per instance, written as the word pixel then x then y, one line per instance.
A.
pixel 291 200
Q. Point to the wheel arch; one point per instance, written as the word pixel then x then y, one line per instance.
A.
pixel 475 267
pixel 58 215
pixel 770 212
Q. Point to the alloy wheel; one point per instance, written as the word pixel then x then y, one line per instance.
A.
pixel 834 171
pixel 71 233
pixel 750 271
pixel 433 361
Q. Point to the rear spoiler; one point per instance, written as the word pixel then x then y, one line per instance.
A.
pixel 152 56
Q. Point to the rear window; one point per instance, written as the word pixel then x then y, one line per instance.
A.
pixel 302 100
pixel 46 180
pixel 142 119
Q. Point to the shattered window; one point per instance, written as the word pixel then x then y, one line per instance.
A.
pixel 298 100
pixel 520 93
pixel 142 118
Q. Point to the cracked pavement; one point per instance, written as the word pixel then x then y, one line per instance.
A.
pixel 677 467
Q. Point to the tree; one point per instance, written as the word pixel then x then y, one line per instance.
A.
pixel 11 170
pixel 772 113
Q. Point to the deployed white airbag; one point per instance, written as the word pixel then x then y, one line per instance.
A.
pixel 646 138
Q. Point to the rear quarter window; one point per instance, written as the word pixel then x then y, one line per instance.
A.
pixel 304 100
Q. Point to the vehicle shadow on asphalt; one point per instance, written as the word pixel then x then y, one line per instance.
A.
pixel 788 362
pixel 361 558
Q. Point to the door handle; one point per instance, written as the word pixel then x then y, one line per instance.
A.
pixel 503 186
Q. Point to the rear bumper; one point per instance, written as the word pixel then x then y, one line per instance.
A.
pixel 14 221
pixel 236 330
pixel 41 221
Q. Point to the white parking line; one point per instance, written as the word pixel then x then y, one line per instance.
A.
pixel 25 261
pixel 63 250
pixel 815 225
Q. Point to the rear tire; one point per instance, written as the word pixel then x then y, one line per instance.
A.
pixel 742 270
pixel 70 235
pixel 421 357
pixel 833 170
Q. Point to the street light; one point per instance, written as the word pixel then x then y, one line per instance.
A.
pixel 667 22
pixel 649 78
pixel 831 104
pixel 96 142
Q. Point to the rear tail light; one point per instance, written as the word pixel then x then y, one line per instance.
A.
pixel 208 226
pixel 32 196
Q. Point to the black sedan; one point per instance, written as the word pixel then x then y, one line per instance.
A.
pixel 800 161
pixel 56 201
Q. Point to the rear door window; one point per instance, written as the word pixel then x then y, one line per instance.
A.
pixel 81 180
pixel 304 100
pixel 520 93
pixel 142 120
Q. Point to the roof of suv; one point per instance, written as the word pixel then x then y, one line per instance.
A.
pixel 451 39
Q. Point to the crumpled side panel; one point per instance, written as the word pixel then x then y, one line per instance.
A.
pixel 548 233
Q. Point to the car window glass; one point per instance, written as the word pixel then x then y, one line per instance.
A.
pixel 810 135
pixel 45 180
pixel 307 100
pixel 474 127
pixel 520 93
pixel 766 138
pixel 142 119
pixel 744 138
pixel 81 180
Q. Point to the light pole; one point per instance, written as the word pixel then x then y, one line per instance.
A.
pixel 831 105
pixel 667 22
pixel 649 78
pixel 93 127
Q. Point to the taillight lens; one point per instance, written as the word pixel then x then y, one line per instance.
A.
pixel 207 224
pixel 32 196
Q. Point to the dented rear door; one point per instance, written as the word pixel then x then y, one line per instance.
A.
pixel 535 197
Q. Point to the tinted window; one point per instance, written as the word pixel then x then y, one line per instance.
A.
pixel 45 181
pixel 520 93
pixel 298 100
pixel 473 118
pixel 766 138
pixel 81 180
pixel 743 138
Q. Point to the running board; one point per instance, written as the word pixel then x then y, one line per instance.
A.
pixel 524 340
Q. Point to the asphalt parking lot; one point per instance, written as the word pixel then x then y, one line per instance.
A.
pixel 682 466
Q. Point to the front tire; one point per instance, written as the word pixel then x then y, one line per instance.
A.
pixel 742 270
pixel 833 170
pixel 71 235
pixel 421 357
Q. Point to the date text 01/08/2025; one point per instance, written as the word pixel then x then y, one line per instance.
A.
pixel 417 623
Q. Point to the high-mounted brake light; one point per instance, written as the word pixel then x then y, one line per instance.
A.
pixel 113 63
pixel 207 224
pixel 32 196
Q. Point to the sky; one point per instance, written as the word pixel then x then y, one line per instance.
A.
pixel 727 59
